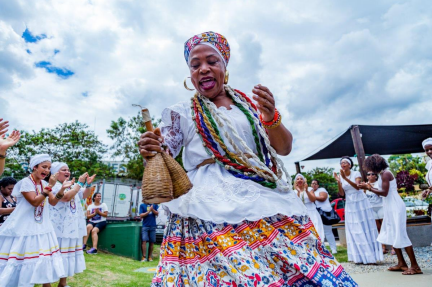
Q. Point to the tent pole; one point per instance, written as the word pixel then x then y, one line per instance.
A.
pixel 359 149
pixel 297 164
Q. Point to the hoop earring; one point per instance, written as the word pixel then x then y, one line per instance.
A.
pixel 185 85
pixel 226 77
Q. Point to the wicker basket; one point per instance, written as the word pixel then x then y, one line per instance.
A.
pixel 163 179
pixel 157 186
pixel 180 181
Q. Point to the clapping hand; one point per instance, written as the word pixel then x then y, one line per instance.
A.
pixel 265 102
pixel 82 178
pixel 53 179
pixel 90 179
pixel 343 175
pixel 364 185
pixel 12 139
pixel 68 183
pixel 336 177
pixel 3 127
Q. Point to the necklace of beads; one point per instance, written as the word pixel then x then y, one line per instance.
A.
pixel 207 119
pixel 72 204
pixel 38 211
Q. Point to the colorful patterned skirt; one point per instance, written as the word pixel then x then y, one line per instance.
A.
pixel 273 251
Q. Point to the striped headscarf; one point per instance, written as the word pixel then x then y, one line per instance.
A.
pixel 212 39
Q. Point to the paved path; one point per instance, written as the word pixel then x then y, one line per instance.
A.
pixel 393 279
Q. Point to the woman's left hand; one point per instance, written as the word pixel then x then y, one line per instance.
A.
pixel 53 179
pixel 343 175
pixel 363 185
pixel 265 102
pixel 90 179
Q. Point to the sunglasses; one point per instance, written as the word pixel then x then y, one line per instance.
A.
pixel 368 174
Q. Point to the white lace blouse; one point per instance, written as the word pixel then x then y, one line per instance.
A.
pixel 217 195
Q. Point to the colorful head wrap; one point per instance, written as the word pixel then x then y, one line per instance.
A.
pixel 37 159
pixel 212 39
pixel 426 142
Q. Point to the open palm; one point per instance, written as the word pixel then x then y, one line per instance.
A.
pixel 12 139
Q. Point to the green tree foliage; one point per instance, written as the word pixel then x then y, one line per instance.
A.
pixel 406 162
pixel 126 134
pixel 72 143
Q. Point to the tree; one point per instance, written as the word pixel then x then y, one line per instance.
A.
pixel 72 143
pixel 406 162
pixel 126 134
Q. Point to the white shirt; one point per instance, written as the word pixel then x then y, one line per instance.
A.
pixel 97 218
pixel 324 205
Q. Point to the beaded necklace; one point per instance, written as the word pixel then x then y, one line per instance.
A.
pixel 72 204
pixel 209 127
pixel 38 211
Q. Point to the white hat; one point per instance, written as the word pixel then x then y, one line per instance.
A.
pixel 37 159
pixel 56 166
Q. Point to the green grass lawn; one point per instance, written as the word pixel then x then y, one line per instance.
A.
pixel 108 270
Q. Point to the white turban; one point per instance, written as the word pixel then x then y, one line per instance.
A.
pixel 56 166
pixel 346 160
pixel 37 159
pixel 426 142
pixel 299 175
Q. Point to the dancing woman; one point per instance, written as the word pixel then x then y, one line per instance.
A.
pixel 393 230
pixel 241 224
pixel 360 227
pixel 68 219
pixel 307 196
pixel 29 251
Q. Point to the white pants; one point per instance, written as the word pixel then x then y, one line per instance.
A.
pixel 330 237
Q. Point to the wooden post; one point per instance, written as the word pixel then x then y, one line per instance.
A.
pixel 359 149
pixel 297 164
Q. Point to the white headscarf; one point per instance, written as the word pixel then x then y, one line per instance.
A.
pixel 37 159
pixel 56 166
pixel 426 142
pixel 346 160
pixel 299 175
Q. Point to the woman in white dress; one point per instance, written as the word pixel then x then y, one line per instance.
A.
pixel 322 201
pixel 241 224
pixel 68 219
pixel 29 250
pixel 360 228
pixel 393 230
pixel 307 196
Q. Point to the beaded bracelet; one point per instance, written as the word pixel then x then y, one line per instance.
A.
pixel 44 193
pixel 274 124
pixel 58 196
pixel 275 117
pixel 2 156
pixel 81 184
pixel 48 188
pixel 88 185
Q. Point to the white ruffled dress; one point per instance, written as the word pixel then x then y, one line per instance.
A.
pixel 313 213
pixel 70 227
pixel 218 196
pixel 360 227
pixel 29 250
pixel 394 226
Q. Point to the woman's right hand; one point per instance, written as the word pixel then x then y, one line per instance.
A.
pixel 82 178
pixel 150 143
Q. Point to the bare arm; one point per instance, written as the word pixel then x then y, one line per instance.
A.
pixel 341 191
pixel 280 137
pixel 311 195
pixel 7 210
pixel 90 215
pixel 155 212
pixel 322 196
pixel 386 177
pixel 32 198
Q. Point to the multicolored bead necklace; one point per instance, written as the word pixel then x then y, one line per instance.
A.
pixel 38 211
pixel 208 126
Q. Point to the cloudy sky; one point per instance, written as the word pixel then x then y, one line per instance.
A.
pixel 330 64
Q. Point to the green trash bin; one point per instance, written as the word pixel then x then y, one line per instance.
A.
pixel 121 238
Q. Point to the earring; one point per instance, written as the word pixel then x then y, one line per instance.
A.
pixel 226 77
pixel 185 85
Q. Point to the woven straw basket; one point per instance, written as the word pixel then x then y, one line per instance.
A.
pixel 163 179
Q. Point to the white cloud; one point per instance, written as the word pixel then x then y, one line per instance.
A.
pixel 329 63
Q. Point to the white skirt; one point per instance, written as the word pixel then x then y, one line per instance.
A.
pixel 72 255
pixel 361 231
pixel 29 260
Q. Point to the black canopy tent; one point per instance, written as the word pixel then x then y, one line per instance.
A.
pixel 384 140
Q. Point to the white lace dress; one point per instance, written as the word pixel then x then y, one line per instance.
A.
pixel 29 250
pixel 313 213
pixel 360 227
pixel 70 227
pixel 217 195
pixel 393 230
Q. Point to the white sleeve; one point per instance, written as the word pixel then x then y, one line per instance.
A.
pixel 357 174
pixel 104 207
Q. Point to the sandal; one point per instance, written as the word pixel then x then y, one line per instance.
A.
pixel 397 268
pixel 150 259
pixel 412 271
